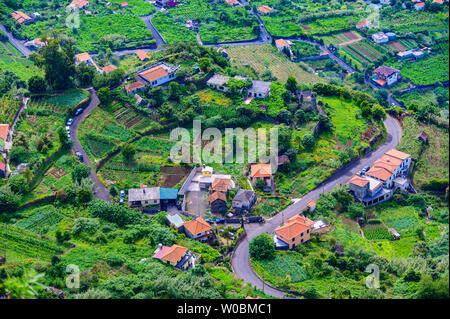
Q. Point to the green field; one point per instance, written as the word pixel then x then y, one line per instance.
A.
pixel 13 60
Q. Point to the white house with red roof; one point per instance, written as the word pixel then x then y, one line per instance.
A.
pixel 378 184
pixel 385 76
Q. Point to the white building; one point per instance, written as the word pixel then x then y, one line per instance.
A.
pixel 158 74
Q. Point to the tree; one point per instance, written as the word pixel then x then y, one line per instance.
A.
pixel 356 210
pixel 113 191
pixel 291 84
pixel 204 64
pixel 262 248
pixel 325 124
pixel 58 61
pixel 9 201
pixel 300 116
pixel 308 141
pixel 284 116
pixel 80 171
pixel 104 95
pixel 18 184
pixel 36 84
pixel 62 135
pixel 378 112
pixel 128 151
pixel 433 289
pixel 25 287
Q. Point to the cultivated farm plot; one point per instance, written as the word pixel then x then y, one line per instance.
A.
pixel 283 265
pixel 21 244
pixel 403 45
pixel 13 60
pixel 266 57
pixel 8 109
pixel 68 100
pixel 42 220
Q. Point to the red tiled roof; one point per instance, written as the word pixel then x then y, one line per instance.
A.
pixel 384 71
pixel 397 154
pixel 133 86
pixel 142 55
pixel 154 73
pixel 380 173
pixel 197 226
pixel 4 129
pixel 79 3
pixel 291 230
pixel 20 17
pixel 217 195
pixel 359 181
pixel 381 82
pixel 264 9
pixel 281 43
pixel 311 204
pixel 419 5
pixel 261 170
pixel 174 253
pixel 82 57
pixel 220 184
pixel 109 68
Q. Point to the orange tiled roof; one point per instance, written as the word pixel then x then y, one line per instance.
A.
pixel 4 129
pixel 133 86
pixel 109 68
pixel 220 184
pixel 81 57
pixel 217 195
pixel 291 230
pixel 381 82
pixel 281 43
pixel 300 219
pixel 232 2
pixel 438 1
pixel 142 55
pixel 420 4
pixel 79 3
pixel 154 73
pixel 20 17
pixel 311 204
pixel 380 173
pixel 197 226
pixel 359 181
pixel 397 154
pixel 175 253
pixel 264 9
pixel 389 160
pixel 261 170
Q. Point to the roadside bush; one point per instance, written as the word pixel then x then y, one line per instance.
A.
pixel 261 247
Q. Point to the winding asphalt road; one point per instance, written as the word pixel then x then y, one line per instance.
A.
pixel 100 191
pixel 16 42
pixel 241 260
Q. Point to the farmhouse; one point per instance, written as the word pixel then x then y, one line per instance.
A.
pixel 218 202
pixel 134 87
pixel 109 68
pixel 419 6
pixel 124 5
pixel 80 4
pixel 311 205
pixel 85 58
pixel 380 37
pixel 296 231
pixel 4 131
pixel 142 55
pixel 218 82
pixel 259 89
pixel 155 197
pixel 232 3
pixel 198 229
pixel 220 185
pixel 264 9
pixel 281 44
pixel 178 256
pixel 423 137
pixel 262 172
pixel 385 75
pixel 243 201
pixel 35 44
pixel 363 25
pixel 175 221
pixel 158 74
pixel 388 174
pixel 21 17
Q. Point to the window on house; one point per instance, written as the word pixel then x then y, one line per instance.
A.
pixel 307 231
pixel 301 240
pixel 293 239
pixel 301 235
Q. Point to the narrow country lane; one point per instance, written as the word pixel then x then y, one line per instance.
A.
pixel 16 42
pixel 100 190
pixel 241 259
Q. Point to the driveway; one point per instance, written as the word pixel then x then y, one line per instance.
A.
pixel 196 203
pixel 241 260
pixel 100 190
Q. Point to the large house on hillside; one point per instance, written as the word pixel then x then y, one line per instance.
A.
pixel 157 198
pixel 158 74
pixel 262 172
pixel 378 184
pixel 385 76
pixel 198 229
pixel 21 17
pixel 296 231
pixel 178 256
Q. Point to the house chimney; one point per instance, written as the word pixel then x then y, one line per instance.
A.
pixel 159 246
